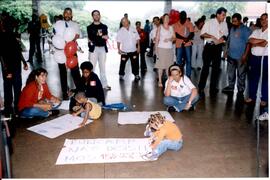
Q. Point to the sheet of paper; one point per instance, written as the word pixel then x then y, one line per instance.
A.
pixel 81 151
pixel 140 117
pixel 64 105
pixel 58 126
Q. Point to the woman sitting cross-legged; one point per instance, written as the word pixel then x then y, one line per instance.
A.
pixel 36 99
pixel 180 93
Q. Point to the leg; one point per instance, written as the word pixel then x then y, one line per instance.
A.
pixel 241 77
pixel 205 68
pixel 178 103
pixel 179 55
pixel 8 95
pixel 265 80
pixel 123 61
pixel 17 86
pixel 160 71
pixel 34 112
pixel 254 75
pixel 134 58
pixel 76 76
pixel 102 66
pixel 231 71
pixel 199 55
pixel 142 57
pixel 93 58
pixel 216 54
pixel 37 42
pixel 193 56
pixel 31 49
pixel 168 144
pixel 63 80
pixel 188 60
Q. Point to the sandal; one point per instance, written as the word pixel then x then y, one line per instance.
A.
pixel 248 100
pixel 160 84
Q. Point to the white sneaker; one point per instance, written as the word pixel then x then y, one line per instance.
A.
pixel 150 156
pixel 108 88
pixel 263 116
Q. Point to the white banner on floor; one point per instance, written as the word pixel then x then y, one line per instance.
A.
pixel 112 150
pixel 58 126
pixel 64 105
pixel 140 117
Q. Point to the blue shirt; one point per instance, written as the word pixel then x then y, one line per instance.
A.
pixel 238 39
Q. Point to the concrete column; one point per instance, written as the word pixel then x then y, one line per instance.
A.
pixel 167 6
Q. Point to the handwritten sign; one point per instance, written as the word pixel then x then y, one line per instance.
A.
pixel 81 151
pixel 58 126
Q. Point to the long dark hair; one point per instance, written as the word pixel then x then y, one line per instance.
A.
pixel 34 73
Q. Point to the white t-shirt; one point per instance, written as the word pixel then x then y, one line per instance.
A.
pixel 258 34
pixel 128 39
pixel 61 25
pixel 165 34
pixel 181 88
pixel 214 28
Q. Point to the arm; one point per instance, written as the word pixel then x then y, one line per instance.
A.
pixel 246 53
pixel 167 91
pixel 258 42
pixel 105 36
pixel 118 47
pixel 87 109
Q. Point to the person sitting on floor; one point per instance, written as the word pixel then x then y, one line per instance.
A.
pixel 164 135
pixel 36 99
pixel 86 108
pixel 180 93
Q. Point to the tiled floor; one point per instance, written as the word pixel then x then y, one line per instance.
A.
pixel 219 141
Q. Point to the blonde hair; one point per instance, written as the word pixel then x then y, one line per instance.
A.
pixel 155 120
pixel 80 95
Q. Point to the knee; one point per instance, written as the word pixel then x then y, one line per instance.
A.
pixel 167 100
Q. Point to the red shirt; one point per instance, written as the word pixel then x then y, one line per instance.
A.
pixel 29 95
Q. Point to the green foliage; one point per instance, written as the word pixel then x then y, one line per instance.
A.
pixel 20 10
pixel 208 8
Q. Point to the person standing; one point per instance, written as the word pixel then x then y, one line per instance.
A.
pixel 184 32
pixel 59 29
pixel 129 40
pixel 215 33
pixel 238 49
pixel 33 29
pixel 152 35
pixel 197 47
pixel 259 52
pixel 143 45
pixel 97 37
pixel 164 38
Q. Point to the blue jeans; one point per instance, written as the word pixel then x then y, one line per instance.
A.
pixel 179 56
pixel 36 112
pixel 168 144
pixel 179 103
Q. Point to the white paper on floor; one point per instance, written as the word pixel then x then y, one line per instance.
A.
pixel 140 117
pixel 111 150
pixel 58 126
pixel 64 105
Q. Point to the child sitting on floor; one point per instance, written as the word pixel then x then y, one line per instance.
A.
pixel 163 135
pixel 86 108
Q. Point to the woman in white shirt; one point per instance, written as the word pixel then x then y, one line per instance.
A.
pixel 164 40
pixel 180 93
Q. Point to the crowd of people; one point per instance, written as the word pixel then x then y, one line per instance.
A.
pixel 177 50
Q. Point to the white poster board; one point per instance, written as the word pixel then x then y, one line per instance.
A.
pixel 140 117
pixel 58 126
pixel 64 105
pixel 112 150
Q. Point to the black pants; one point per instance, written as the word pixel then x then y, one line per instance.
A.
pixel 142 57
pixel 76 76
pixel 12 86
pixel 133 56
pixel 211 54
pixel 34 44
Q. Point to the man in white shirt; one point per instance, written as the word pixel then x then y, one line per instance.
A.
pixel 129 40
pixel 59 29
pixel 215 33
pixel 259 52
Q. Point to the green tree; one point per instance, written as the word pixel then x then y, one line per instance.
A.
pixel 208 8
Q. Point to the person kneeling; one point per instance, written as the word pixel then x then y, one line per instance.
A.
pixel 180 93
pixel 86 108
pixel 164 135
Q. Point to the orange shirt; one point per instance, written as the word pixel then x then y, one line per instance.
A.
pixel 183 30
pixel 29 95
pixel 169 131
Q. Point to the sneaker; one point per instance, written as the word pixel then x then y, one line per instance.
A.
pixel 227 90
pixel 150 156
pixel 263 116
pixel 137 78
pixel 108 88
pixel 121 77
pixel 171 109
